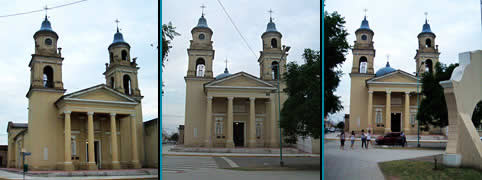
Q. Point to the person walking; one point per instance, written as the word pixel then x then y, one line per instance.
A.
pixel 342 140
pixel 369 136
pixel 363 139
pixel 404 139
pixel 352 139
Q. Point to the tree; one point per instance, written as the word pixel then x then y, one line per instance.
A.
pixel 340 125
pixel 301 111
pixel 433 108
pixel 174 137
pixel 336 47
pixel 168 34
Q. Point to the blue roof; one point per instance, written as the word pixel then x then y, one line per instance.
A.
pixel 387 69
pixel 271 26
pixel 202 23
pixel 426 27
pixel 118 39
pixel 364 24
pixel 225 74
pixel 46 26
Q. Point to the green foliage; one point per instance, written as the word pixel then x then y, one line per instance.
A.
pixel 168 34
pixel 174 137
pixel 336 47
pixel 340 125
pixel 301 111
pixel 433 108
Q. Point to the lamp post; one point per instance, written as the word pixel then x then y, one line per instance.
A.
pixel 284 50
pixel 418 107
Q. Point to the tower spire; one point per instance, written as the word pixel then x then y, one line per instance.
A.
pixel 117 22
pixel 388 59
pixel 365 10
pixel 426 21
pixel 202 10
pixel 46 8
pixel 270 15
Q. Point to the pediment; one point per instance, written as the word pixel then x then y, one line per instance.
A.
pixel 99 93
pixel 241 79
pixel 394 77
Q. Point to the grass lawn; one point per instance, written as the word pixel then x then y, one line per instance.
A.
pixel 404 169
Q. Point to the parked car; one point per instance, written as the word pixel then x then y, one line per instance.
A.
pixel 392 138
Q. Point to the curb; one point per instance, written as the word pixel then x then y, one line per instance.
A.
pixel 228 155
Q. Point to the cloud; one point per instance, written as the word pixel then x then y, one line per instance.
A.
pixel 299 24
pixel 85 31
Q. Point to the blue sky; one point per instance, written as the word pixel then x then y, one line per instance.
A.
pixel 298 21
pixel 457 25
pixel 85 31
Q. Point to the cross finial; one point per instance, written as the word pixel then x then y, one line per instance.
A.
pixel 46 8
pixel 365 10
pixel 202 9
pixel 117 22
pixel 426 13
pixel 226 61
pixel 270 13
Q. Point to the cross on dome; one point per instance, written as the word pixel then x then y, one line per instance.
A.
pixel 202 9
pixel 270 15
pixel 117 22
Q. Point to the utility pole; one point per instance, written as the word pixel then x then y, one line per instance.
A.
pixel 284 50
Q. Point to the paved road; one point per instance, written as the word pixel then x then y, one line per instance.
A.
pixel 211 168
pixel 10 175
pixel 361 163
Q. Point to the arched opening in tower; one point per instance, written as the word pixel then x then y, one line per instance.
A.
pixel 124 55
pixel 127 85
pixel 112 83
pixel 275 70
pixel 428 42
pixel 274 43
pixel 200 67
pixel 48 77
pixel 428 66
pixel 363 65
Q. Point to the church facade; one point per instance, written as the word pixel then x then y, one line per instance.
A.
pixel 386 100
pixel 233 110
pixel 99 127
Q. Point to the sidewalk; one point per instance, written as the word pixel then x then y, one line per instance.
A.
pixel 166 151
pixel 12 173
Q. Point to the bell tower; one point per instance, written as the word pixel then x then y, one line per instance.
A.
pixel 363 50
pixel 427 53
pixel 46 63
pixel 272 56
pixel 201 52
pixel 121 71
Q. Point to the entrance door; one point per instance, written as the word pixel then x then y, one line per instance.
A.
pixel 396 122
pixel 96 153
pixel 238 134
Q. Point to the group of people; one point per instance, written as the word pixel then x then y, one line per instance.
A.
pixel 365 138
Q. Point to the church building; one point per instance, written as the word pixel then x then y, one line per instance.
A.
pixel 386 100
pixel 99 127
pixel 233 109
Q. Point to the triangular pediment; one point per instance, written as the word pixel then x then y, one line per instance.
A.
pixel 99 93
pixel 240 79
pixel 398 76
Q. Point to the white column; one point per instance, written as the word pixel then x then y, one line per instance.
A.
pixel 388 115
pixel 90 130
pixel 252 123
pixel 113 134
pixel 230 142
pixel 68 166
pixel 209 122
pixel 135 155
pixel 406 125
pixel 370 109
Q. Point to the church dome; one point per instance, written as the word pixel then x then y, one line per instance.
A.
pixel 387 69
pixel 426 28
pixel 364 24
pixel 118 39
pixel 202 23
pixel 271 27
pixel 225 74
pixel 45 27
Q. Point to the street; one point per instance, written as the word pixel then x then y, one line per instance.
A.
pixel 363 163
pixel 213 168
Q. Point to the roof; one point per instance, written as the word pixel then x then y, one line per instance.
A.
pixel 426 29
pixel 46 27
pixel 99 86
pixel 146 123
pixel 16 125
pixel 387 69
pixel 225 74
pixel 119 39
pixel 271 27
pixel 202 22
pixel 364 24
pixel 238 74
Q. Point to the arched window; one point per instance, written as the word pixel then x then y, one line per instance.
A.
pixel 111 56
pixel 363 65
pixel 48 77
pixel 124 55
pixel 275 70
pixel 428 42
pixel 112 82
pixel 127 85
pixel 274 43
pixel 428 66
pixel 200 67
